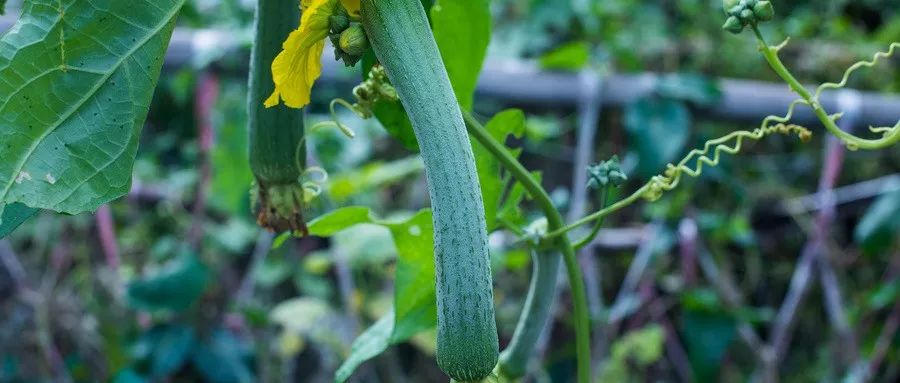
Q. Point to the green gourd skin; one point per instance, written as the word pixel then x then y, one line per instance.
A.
pixel 276 133
pixel 398 31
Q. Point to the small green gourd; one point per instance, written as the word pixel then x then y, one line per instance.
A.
pixel 277 149
pixel 398 31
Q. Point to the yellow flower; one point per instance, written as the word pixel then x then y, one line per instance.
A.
pixel 352 6
pixel 299 64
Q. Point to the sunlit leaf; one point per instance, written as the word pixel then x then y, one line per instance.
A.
pixel 302 315
pixel 373 176
pixel 340 219
pixel 72 104
pixel 569 57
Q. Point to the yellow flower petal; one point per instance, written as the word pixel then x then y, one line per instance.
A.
pixel 298 65
pixel 352 6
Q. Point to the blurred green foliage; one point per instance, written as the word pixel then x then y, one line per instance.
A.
pixel 230 311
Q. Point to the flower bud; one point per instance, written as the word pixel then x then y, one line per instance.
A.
pixel 353 40
pixel 727 5
pixel 764 11
pixel 733 25
pixel 339 23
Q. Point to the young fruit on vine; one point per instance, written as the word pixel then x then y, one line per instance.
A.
pixel 398 30
pixel 277 153
pixel 399 34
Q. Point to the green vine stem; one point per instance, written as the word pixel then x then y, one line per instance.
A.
pixel 890 135
pixel 604 196
pixel 523 341
pixel 514 360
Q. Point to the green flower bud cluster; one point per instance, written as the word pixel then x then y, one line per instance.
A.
pixel 606 173
pixel 348 37
pixel 376 88
pixel 742 13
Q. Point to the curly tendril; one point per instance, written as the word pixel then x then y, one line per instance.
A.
pixel 853 68
pixel 658 185
pixel 672 176
pixel 376 88
pixel 889 135
pixel 312 185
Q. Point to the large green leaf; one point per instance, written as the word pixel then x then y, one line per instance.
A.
pixel 709 332
pixel 504 124
pixel 77 78
pixel 658 130
pixel 415 308
pixel 366 346
pixel 13 216
pixel 414 296
pixel 462 29
pixel 175 286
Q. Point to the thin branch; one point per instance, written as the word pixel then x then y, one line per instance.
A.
pixel 687 241
pixel 675 350
pixel 885 339
pixel 206 94
pixel 837 313
pixel 781 330
pixel 107 233
pixel 636 271
pixel 843 195
pixel 260 250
